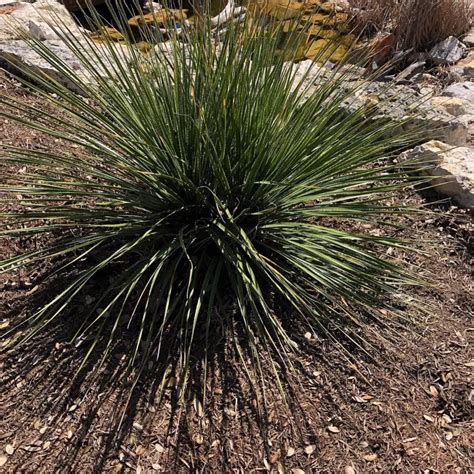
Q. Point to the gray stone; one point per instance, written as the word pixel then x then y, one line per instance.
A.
pixel 449 51
pixel 462 90
pixel 40 14
pixel 410 71
pixel 42 31
pixel 412 108
pixel 451 169
pixel 397 102
pixel 18 54
pixel 454 105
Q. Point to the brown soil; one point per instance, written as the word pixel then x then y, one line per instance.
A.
pixel 408 411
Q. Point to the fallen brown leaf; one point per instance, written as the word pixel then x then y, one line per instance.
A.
pixel 309 449
pixel 159 448
pixel 140 450
pixel 370 457
pixel 446 419
pixel 274 457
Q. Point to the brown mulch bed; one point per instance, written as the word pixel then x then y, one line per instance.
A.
pixel 409 411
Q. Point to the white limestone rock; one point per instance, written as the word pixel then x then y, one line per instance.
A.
pixel 36 18
pixel 42 31
pixel 394 102
pixel 451 169
pixel 454 105
pixel 16 54
pixel 461 90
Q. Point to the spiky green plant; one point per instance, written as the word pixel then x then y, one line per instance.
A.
pixel 215 186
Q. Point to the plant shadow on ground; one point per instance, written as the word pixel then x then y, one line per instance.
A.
pixel 47 371
pixel 58 421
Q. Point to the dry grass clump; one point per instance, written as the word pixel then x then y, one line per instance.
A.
pixel 417 24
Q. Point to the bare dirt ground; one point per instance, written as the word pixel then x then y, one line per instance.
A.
pixel 408 410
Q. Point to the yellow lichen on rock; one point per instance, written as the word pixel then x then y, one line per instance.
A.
pixel 308 25
pixel 321 5
pixel 143 46
pixel 278 9
pixel 323 49
pixel 107 33
pixel 161 17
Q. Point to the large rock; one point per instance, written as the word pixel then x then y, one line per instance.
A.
pixel 36 19
pixel 395 102
pixel 458 100
pixel 454 105
pixel 462 90
pixel 15 54
pixel 451 169
pixel 399 103
pixel 449 51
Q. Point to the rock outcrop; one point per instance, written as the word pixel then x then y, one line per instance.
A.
pixel 397 103
pixel 35 18
pixel 451 169
pixel 17 54
pixel 461 90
